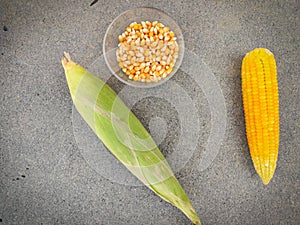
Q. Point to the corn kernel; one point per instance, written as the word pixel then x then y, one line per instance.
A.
pixel 145 30
pixel 172 46
pixel 166 29
pixel 160 25
pixel 154 23
pixel 142 65
pixel 158 68
pixel 169 70
pixel 165 62
pixel 147 69
pixel 162 71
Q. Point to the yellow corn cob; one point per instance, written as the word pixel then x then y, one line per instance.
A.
pixel 261 109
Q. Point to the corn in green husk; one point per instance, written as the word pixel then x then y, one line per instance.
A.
pixel 124 135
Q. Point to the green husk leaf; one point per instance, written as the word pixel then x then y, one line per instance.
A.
pixel 124 135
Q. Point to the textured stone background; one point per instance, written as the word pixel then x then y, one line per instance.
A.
pixel 45 180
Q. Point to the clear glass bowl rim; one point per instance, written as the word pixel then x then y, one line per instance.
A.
pixel 139 84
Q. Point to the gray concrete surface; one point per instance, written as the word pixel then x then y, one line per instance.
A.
pixel 45 180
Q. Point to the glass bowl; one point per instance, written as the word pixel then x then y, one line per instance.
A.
pixel 118 26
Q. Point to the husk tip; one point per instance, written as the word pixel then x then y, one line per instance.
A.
pixel 197 223
pixel 67 56
pixel 66 59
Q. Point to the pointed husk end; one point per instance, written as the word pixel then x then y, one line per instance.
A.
pixel 67 61
pixel 74 73
pixel 197 222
